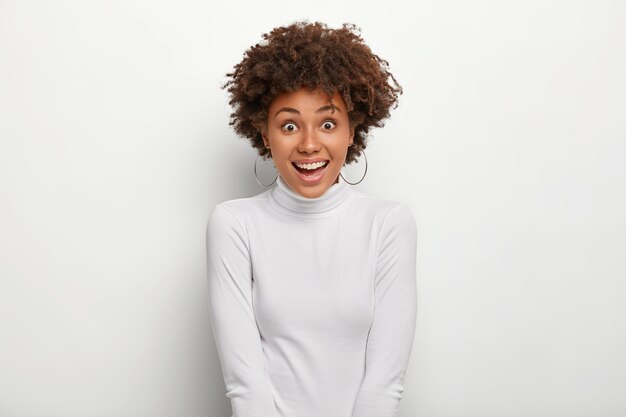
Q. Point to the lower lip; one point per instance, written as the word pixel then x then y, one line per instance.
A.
pixel 311 179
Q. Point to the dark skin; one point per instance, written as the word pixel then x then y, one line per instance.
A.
pixel 304 125
pixel 311 55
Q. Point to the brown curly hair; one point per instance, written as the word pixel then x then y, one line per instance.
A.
pixel 314 56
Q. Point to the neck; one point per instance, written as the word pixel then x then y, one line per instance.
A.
pixel 287 200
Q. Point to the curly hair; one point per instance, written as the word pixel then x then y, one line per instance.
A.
pixel 314 56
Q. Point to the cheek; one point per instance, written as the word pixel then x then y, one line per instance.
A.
pixel 341 141
pixel 339 150
pixel 279 152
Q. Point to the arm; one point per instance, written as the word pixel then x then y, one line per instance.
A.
pixel 390 339
pixel 236 334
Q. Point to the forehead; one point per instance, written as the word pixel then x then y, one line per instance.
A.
pixel 306 99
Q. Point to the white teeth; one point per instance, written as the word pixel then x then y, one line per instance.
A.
pixel 314 165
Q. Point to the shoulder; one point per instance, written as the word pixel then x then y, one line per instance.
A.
pixel 398 232
pixel 227 219
pixel 385 212
pixel 393 222
pixel 235 210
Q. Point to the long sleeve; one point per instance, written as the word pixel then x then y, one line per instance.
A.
pixel 392 331
pixel 233 320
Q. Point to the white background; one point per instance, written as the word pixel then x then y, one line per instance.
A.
pixel 509 145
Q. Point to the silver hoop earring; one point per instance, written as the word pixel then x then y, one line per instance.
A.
pixel 257 177
pixel 355 183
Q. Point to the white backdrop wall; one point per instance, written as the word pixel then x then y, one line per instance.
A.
pixel 509 145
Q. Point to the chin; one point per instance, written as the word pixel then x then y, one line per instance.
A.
pixel 309 193
pixel 311 190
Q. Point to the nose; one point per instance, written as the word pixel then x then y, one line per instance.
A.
pixel 309 141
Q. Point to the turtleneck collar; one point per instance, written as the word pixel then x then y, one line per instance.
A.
pixel 291 202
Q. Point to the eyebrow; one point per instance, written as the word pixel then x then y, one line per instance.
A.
pixel 320 110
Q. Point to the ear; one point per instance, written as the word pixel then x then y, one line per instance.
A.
pixel 263 131
pixel 351 135
pixel 266 141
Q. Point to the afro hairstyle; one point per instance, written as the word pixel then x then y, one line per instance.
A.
pixel 311 55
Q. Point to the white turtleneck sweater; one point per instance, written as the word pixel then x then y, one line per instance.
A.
pixel 312 301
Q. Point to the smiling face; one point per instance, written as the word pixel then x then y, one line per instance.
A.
pixel 303 126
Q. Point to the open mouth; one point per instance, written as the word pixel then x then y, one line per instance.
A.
pixel 311 170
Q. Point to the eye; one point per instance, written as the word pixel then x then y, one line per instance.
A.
pixel 328 124
pixel 289 127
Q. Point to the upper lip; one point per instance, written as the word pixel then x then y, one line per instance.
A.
pixel 309 161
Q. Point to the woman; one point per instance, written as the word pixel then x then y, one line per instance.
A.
pixel 312 284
